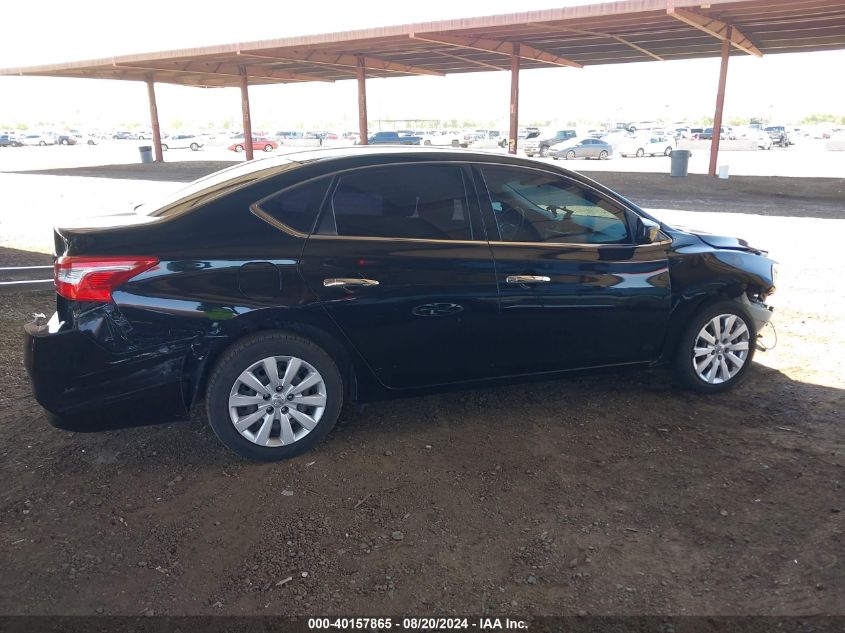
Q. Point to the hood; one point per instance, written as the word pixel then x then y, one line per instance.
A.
pixel 725 242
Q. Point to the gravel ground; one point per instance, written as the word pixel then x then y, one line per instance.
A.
pixel 606 494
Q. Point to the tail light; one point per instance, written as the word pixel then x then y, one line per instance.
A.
pixel 95 278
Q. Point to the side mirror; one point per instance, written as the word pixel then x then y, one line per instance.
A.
pixel 648 231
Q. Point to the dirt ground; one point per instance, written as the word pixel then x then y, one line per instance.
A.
pixel 602 494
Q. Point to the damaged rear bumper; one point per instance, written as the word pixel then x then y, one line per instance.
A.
pixel 72 373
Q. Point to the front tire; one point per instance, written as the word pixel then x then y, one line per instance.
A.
pixel 667 151
pixel 640 152
pixel 543 151
pixel 239 148
pixel 716 350
pixel 274 395
pixel 194 147
pixel 268 148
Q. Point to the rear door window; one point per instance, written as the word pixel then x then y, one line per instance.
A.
pixel 400 201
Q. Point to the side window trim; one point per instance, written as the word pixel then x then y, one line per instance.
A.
pixel 489 218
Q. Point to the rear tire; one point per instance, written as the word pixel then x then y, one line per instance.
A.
pixel 667 151
pixel 268 148
pixel 696 355
pixel 570 155
pixel 194 147
pixel 640 152
pixel 267 439
pixel 603 155
pixel 239 148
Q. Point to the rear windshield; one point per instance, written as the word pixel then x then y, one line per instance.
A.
pixel 209 187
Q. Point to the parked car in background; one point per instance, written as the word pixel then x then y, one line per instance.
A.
pixel 779 135
pixel 725 134
pixel 617 137
pixel 651 145
pixel 68 138
pixel 277 290
pixel 392 138
pixel 123 135
pixel 284 135
pixel 442 138
pixel 581 148
pixel 542 142
pixel 6 140
pixel 762 139
pixel 182 141
pixel 259 143
pixel 34 138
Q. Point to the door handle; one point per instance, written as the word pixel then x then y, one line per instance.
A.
pixel 527 279
pixel 346 282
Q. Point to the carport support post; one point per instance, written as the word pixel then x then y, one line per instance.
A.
pixel 720 103
pixel 151 94
pixel 513 133
pixel 245 111
pixel 362 102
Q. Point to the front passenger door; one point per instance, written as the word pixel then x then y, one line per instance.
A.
pixel 576 291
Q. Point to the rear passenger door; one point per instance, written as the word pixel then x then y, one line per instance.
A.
pixel 400 262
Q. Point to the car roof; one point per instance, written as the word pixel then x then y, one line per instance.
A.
pixel 360 151
pixel 326 156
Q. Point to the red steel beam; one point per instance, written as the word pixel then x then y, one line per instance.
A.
pixel 151 95
pixel 245 112
pixel 714 27
pixel 342 60
pixel 720 103
pixel 513 134
pixel 361 71
pixel 503 47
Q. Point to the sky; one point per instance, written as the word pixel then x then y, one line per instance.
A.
pixel 782 88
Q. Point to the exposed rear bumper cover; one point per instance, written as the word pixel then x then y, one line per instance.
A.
pixel 71 373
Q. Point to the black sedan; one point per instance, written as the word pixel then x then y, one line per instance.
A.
pixel 279 289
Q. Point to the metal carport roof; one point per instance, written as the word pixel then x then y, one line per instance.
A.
pixel 610 33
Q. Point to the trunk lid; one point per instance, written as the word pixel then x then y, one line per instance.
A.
pixel 96 235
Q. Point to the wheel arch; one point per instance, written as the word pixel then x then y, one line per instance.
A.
pixel 690 303
pixel 200 363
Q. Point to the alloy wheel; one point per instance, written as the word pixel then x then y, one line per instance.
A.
pixel 721 349
pixel 277 401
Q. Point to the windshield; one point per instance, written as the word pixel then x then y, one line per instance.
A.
pixel 209 186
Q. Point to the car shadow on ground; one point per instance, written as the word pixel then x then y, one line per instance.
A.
pixel 180 171
pixel 768 400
